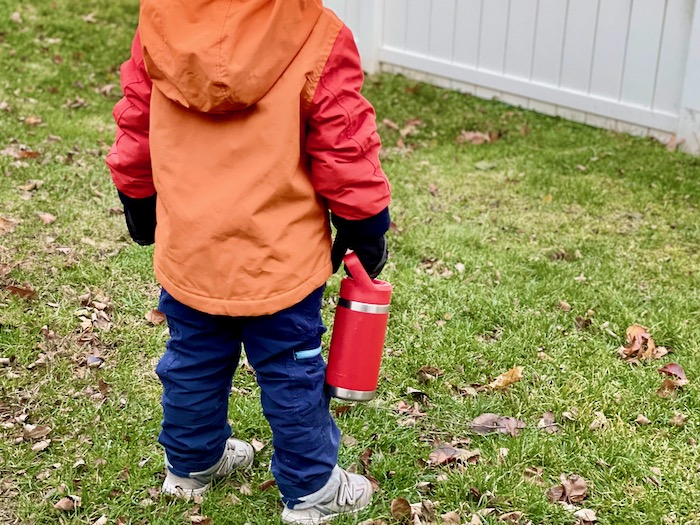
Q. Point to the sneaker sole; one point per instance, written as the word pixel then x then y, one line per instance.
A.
pixel 303 520
pixel 179 492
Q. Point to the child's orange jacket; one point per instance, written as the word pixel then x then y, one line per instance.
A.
pixel 246 118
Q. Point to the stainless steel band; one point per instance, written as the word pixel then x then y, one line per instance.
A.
pixel 351 395
pixel 365 308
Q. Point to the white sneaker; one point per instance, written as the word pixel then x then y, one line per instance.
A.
pixel 343 493
pixel 237 454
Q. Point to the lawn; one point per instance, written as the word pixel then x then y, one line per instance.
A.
pixel 535 249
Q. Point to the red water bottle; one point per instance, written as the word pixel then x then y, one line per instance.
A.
pixel 359 329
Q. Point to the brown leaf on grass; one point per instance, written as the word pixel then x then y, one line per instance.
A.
pixel 155 317
pixel 102 520
pixel 673 370
pixel 23 292
pixel 476 138
pixel 571 490
pixel 513 518
pixel 563 305
pixel 642 420
pixel 410 128
pixel 36 431
pixel 257 445
pixel 390 124
pixel 200 520
pixel 67 504
pixel 585 517
pixel 582 323
pixel 669 387
pixel 489 423
pixel 7 225
pixel 599 422
pixel 342 409
pixel 33 120
pixel 678 420
pixel 41 445
pixel 46 218
pixel 267 484
pixel 428 373
pixel 401 510
pixel 506 379
pixel 640 345
pixel 548 424
pixel 445 454
pixel 450 518
pixel 366 458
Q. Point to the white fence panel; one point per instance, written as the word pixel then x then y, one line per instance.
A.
pixel 521 39
pixel 630 64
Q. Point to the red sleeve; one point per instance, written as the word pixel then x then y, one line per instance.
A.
pixel 342 139
pixel 129 158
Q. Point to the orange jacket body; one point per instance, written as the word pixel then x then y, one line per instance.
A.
pixel 246 119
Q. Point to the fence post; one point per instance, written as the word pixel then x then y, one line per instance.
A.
pixel 689 121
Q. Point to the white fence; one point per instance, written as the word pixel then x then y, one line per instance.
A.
pixel 630 65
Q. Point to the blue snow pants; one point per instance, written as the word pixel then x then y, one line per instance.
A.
pixel 284 348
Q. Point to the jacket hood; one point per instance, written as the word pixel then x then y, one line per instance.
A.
pixel 217 56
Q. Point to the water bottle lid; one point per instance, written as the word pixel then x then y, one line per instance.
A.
pixel 360 286
pixel 357 271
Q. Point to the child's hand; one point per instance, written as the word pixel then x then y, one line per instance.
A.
pixel 372 253
pixel 140 215
pixel 365 237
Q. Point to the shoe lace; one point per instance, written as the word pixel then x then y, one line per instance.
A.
pixel 231 460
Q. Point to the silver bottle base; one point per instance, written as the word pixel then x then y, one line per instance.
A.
pixel 351 395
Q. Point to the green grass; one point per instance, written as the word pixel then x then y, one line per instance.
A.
pixel 477 265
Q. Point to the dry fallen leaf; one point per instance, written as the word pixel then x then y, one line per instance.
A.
pixel 23 292
pixel 401 509
pixel 445 454
pixel 506 379
pixel 68 503
pixel 669 387
pixel 585 516
pixel 155 317
pixel 451 518
pixel 640 345
pixel 678 420
pixel 571 490
pixel 36 431
pixel 257 445
pixel 563 305
pixel 46 218
pixel 513 518
pixel 673 370
pixel 476 138
pixel 33 120
pixel 548 424
pixel 267 484
pixel 642 420
pixel 489 423
pixel 7 225
pixel 200 520
pixel 599 423
pixel 41 445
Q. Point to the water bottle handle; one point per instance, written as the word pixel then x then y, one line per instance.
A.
pixel 357 271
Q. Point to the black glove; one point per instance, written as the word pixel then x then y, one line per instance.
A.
pixel 366 237
pixel 140 217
